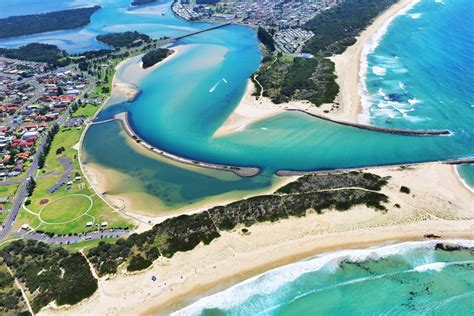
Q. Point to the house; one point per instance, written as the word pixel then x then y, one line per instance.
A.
pixel 25 227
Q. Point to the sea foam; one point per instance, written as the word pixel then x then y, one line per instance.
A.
pixel 271 281
pixel 436 266
pixel 369 47
pixel 415 15
pixel 379 71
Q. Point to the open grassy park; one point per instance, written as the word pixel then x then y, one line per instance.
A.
pixel 73 203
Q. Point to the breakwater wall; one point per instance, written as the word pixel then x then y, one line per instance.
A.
pixel 240 171
pixel 396 131
pixel 460 161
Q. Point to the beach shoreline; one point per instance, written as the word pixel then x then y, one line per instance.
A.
pixel 348 71
pixel 129 72
pixel 442 208
pixel 438 204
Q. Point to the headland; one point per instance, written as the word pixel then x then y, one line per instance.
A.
pixel 349 76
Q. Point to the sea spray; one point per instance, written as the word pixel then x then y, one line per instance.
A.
pixel 278 282
pixel 370 45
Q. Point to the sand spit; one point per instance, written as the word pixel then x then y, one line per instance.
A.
pixel 240 171
pixel 437 204
pixel 348 71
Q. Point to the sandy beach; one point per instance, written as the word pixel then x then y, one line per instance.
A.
pixel 129 72
pixel 347 105
pixel 437 204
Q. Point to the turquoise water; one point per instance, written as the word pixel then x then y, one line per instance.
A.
pixel 467 175
pixel 401 279
pixel 421 75
pixel 185 101
pixel 114 16
pixel 24 7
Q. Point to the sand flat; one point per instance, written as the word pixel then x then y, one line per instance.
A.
pixel 437 204
pixel 347 68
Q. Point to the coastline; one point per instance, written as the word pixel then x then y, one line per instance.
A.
pixel 444 209
pixel 129 72
pixel 348 72
pixel 463 181
pixel 146 208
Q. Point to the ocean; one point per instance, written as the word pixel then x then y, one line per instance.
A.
pixel 419 74
pixel 181 106
pixel 401 279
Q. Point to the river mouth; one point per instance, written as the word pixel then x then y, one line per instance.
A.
pixel 183 102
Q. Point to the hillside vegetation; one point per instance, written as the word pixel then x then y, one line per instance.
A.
pixel 34 52
pixel 313 79
pixel 45 22
pixel 124 39
pixel 338 27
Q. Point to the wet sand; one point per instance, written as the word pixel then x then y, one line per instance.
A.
pixel 347 106
pixel 437 204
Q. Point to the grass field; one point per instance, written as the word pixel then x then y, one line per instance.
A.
pixel 54 212
pixel 64 210
pixel 86 110
pixel 85 245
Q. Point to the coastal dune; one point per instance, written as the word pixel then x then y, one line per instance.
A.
pixel 438 204
pixel 349 72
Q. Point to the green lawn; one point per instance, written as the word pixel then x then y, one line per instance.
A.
pixel 7 191
pixel 86 110
pixel 68 208
pixel 85 245
pixel 54 212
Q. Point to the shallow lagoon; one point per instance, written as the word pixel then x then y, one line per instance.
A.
pixel 184 101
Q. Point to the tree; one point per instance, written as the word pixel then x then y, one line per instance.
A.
pixel 30 186
pixel 266 38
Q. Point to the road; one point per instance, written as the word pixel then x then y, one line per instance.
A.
pixel 22 189
pixel 74 239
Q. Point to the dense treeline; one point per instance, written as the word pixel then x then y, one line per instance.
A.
pixel 10 297
pixel 351 179
pixel 141 2
pixel 124 39
pixel 45 22
pixel 54 274
pixel 337 28
pixel 155 56
pixel 47 145
pixel 35 52
pixel 313 79
pixel 49 274
pixel 266 38
pixel 185 232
